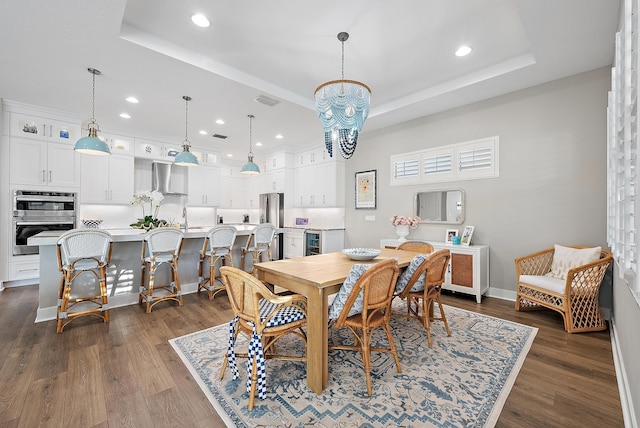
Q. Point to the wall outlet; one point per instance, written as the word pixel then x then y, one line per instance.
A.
pixel 369 218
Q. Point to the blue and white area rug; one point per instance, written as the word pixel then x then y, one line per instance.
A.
pixel 463 381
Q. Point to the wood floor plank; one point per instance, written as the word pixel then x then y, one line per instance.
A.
pixel 86 404
pixel 130 411
pixel 15 375
pixel 45 402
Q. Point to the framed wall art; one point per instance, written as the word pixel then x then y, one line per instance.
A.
pixel 366 190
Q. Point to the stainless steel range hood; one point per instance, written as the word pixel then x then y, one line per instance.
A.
pixel 169 179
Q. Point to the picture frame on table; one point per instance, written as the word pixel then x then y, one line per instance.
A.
pixel 365 190
pixel 466 235
pixel 449 236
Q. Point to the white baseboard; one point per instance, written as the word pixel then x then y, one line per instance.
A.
pixel 49 313
pixel 628 412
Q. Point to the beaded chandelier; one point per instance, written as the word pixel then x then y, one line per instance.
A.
pixel 342 106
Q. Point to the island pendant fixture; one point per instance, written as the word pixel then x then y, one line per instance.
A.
pixel 342 106
pixel 250 168
pixel 185 157
pixel 92 145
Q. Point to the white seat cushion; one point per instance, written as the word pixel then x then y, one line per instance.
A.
pixel 550 283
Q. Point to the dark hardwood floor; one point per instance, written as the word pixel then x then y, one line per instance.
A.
pixel 125 373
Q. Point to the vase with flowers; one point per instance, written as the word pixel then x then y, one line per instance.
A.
pixel 150 220
pixel 403 224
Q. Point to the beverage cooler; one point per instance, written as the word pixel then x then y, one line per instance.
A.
pixel 312 242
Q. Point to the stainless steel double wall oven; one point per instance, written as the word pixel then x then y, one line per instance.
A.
pixel 39 211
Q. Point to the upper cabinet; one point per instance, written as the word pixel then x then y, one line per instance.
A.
pixel 313 156
pixel 107 179
pixel 319 185
pixel 39 128
pixel 119 144
pixel 278 161
pixel 41 148
pixel 204 186
pixel 155 150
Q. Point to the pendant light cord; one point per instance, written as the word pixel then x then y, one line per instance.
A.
pixel 250 133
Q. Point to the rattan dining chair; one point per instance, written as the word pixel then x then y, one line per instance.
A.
pixel 365 305
pixel 82 252
pixel 421 247
pixel 217 247
pixel 420 284
pixel 160 247
pixel 265 318
pixel 258 244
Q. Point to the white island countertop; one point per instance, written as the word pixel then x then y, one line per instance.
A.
pixel 131 234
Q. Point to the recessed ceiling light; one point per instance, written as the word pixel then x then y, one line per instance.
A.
pixel 229 155
pixel 132 100
pixel 279 137
pixel 463 50
pixel 200 20
pixel 258 144
pixel 125 115
pixel 220 122
pixel 203 132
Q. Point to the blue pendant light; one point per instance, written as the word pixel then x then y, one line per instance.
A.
pixel 92 145
pixel 185 157
pixel 250 168
pixel 342 106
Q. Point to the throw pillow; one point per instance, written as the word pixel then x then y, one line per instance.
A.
pixel 341 297
pixel 565 258
pixel 406 275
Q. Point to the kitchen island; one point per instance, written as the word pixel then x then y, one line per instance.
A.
pixel 123 274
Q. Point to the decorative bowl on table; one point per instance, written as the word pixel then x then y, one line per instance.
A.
pixel 361 254
pixel 94 224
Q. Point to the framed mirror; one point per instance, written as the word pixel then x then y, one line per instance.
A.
pixel 445 206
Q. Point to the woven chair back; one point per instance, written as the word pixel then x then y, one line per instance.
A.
pixel 164 240
pixel 244 291
pixel 421 247
pixel 433 269
pixel 377 285
pixel 84 243
pixel 221 237
pixel 263 234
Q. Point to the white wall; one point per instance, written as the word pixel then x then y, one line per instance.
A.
pixel 552 184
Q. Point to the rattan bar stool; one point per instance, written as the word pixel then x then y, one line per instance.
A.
pixel 259 243
pixel 217 247
pixel 82 252
pixel 160 247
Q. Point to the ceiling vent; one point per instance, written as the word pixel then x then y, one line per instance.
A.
pixel 263 99
pixel 222 137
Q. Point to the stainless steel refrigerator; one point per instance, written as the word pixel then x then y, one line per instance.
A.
pixel 272 211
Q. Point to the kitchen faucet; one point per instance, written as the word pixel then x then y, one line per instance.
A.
pixel 184 216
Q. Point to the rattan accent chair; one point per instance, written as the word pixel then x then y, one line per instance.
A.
pixel 217 247
pixel 82 252
pixel 421 247
pixel 575 298
pixel 265 318
pixel 258 244
pixel 430 274
pixel 160 247
pixel 376 284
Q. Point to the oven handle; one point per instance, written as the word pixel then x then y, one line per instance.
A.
pixel 34 198
pixel 30 223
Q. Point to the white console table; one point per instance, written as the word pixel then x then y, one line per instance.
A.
pixel 468 270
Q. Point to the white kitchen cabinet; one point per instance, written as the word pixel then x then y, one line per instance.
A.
pixel 274 181
pixel 232 192
pixel 118 144
pixel 205 157
pixel 107 179
pixel 468 270
pixel 40 128
pixel 253 186
pixel 313 156
pixel 204 186
pixel 294 243
pixel 278 160
pixel 42 163
pixel 156 150
pixel 332 240
pixel 320 185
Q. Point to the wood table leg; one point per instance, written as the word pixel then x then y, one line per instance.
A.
pixel 317 346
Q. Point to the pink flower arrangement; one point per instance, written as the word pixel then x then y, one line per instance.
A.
pixel 412 222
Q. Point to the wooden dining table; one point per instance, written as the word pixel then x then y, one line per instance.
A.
pixel 316 277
